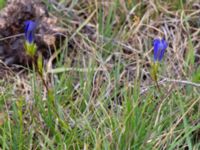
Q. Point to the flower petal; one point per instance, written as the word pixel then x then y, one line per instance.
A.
pixel 159 49
pixel 156 44
pixel 30 27
pixel 164 46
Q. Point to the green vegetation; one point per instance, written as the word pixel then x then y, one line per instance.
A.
pixel 100 94
pixel 2 3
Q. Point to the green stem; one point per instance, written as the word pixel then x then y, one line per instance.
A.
pixel 154 73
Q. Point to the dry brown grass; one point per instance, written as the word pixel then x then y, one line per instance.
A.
pixel 133 31
pixel 117 54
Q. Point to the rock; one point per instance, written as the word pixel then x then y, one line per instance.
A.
pixel 12 19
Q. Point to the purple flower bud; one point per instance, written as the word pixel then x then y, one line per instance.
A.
pixel 159 49
pixel 30 27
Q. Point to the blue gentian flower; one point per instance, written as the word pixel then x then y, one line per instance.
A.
pixel 30 27
pixel 159 49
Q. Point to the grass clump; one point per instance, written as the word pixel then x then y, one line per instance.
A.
pixel 100 94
